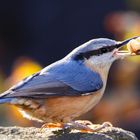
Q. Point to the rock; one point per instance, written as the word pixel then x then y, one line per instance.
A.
pixel 32 133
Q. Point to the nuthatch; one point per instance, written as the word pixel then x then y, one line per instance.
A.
pixel 68 88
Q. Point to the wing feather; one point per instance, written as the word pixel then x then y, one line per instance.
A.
pixel 60 79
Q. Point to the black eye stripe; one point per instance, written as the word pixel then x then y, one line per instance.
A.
pixel 97 52
pixel 102 50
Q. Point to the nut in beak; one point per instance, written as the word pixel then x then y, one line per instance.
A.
pixel 133 47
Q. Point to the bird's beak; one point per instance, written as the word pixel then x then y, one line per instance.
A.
pixel 118 52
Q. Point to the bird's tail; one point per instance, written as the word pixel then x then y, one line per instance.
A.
pixel 5 100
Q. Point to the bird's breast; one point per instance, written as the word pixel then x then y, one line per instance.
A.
pixel 63 109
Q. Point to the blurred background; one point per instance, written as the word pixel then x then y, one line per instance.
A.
pixel 33 34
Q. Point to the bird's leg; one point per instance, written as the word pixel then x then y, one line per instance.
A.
pixel 52 125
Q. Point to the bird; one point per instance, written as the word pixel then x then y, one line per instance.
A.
pixel 69 87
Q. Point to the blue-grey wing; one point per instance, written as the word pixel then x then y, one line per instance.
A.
pixel 62 79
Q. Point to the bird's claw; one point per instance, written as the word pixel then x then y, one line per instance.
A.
pixel 52 125
pixel 86 126
pixel 82 126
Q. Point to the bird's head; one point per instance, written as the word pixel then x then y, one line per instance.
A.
pixel 100 52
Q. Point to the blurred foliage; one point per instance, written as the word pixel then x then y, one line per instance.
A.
pixel 22 68
pixel 122 107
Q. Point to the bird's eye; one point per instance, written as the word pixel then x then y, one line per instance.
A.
pixel 104 50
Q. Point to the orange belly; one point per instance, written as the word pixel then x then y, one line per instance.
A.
pixel 62 109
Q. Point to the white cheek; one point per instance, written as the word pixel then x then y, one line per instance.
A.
pixel 102 59
pixel 100 64
pixel 97 60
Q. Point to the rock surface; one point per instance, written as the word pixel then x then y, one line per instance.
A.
pixel 32 133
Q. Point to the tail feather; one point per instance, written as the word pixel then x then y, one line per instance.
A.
pixel 5 100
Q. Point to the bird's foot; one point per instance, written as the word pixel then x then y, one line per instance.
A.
pixel 86 126
pixel 82 126
pixel 102 126
pixel 52 125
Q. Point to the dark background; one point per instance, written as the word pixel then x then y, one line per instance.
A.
pixel 47 30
